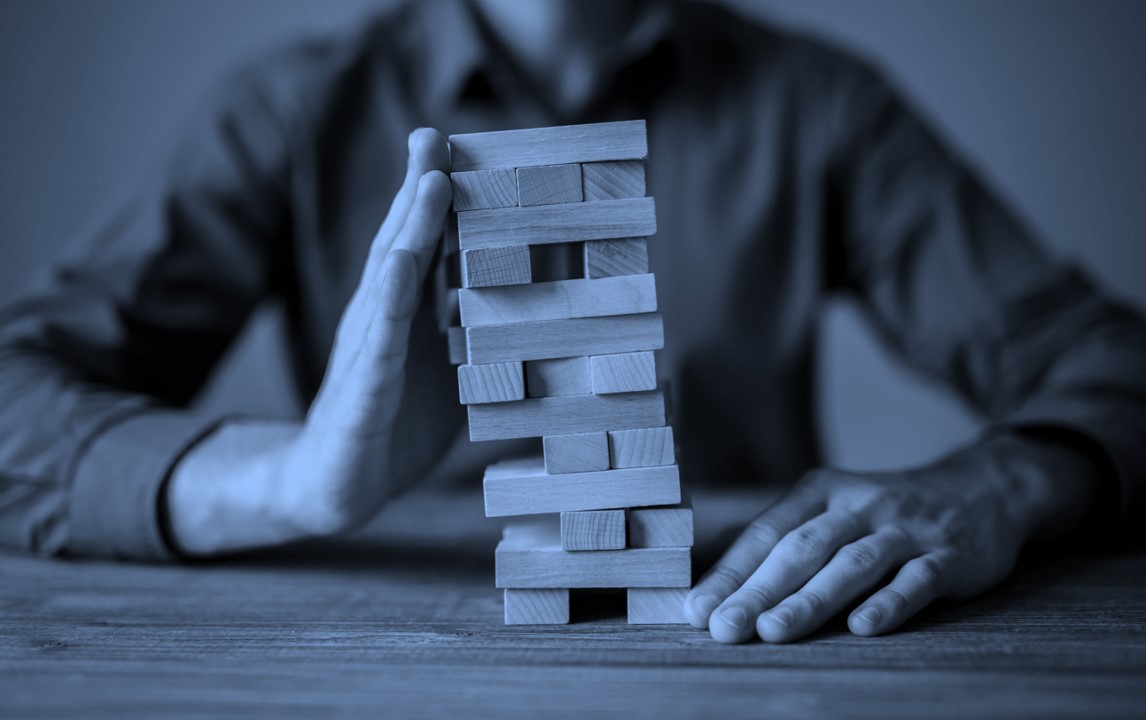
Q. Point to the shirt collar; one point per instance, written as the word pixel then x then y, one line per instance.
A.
pixel 459 50
pixel 455 48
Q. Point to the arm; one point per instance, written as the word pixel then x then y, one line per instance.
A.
pixel 98 363
pixel 959 289
pixel 263 483
pixel 96 369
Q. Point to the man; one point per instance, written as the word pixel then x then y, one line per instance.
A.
pixel 784 172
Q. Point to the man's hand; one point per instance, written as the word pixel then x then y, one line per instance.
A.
pixel 261 483
pixel 951 530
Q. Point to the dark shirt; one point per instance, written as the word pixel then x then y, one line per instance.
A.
pixel 784 173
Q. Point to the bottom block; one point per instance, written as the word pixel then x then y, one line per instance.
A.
pixel 657 606
pixel 538 607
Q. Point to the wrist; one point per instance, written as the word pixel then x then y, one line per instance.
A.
pixel 225 494
pixel 1053 482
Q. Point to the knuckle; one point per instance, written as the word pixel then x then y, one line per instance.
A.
pixel 764 530
pixel 805 542
pixel 897 601
pixel 813 600
pixel 927 572
pixel 859 556
pixel 724 575
pixel 758 596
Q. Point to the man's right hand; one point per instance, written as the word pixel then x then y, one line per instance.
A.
pixel 255 484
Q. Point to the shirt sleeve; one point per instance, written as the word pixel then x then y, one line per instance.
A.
pixel 99 361
pixel 956 284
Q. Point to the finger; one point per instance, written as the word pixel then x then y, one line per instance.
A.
pixel 426 219
pixel 852 571
pixel 797 557
pixel 360 380
pixel 921 581
pixel 759 537
pixel 428 151
pixel 395 292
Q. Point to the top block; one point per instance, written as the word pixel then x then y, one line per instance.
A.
pixel 549 146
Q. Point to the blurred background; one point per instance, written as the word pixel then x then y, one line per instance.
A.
pixel 1046 97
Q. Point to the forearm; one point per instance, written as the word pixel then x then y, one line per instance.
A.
pixel 227 493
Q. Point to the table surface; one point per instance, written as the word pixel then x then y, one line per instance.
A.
pixel 402 620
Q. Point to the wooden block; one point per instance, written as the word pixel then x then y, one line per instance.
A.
pixel 561 299
pixel 571 222
pixel 579 452
pixel 494 266
pixel 549 185
pixel 574 337
pixel 549 146
pixel 558 378
pixel 539 417
pixel 613 180
pixel 537 607
pixel 484 189
pixel 456 342
pixel 641 448
pixel 533 558
pixel 661 527
pixel 497 382
pixel 609 258
pixel 623 372
pixel 657 606
pixel 593 530
pixel 522 487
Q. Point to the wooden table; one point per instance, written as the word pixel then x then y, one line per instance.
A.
pixel 403 621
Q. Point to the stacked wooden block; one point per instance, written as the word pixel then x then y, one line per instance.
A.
pixel 570 361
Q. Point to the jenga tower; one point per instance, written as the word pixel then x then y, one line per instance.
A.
pixel 570 361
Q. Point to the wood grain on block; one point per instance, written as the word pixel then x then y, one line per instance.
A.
pixel 522 487
pixel 549 185
pixel 574 337
pixel 538 417
pixel 593 530
pixel 571 222
pixel 657 606
pixel 623 372
pixel 494 266
pixel 561 299
pixel 609 258
pixel 494 383
pixel 613 180
pixel 559 377
pixel 549 146
pixel 548 606
pixel 533 558
pixel 661 527
pixel 641 448
pixel 484 189
pixel 456 342
pixel 579 452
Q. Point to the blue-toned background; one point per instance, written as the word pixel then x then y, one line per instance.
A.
pixel 1048 97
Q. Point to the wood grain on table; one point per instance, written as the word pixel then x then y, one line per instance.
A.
pixel 404 621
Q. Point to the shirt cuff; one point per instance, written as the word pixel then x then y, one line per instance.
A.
pixel 1111 431
pixel 114 506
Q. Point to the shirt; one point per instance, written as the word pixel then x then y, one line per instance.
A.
pixel 784 172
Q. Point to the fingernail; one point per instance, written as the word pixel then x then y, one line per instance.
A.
pixel 735 616
pixel 703 605
pixel 783 616
pixel 870 615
